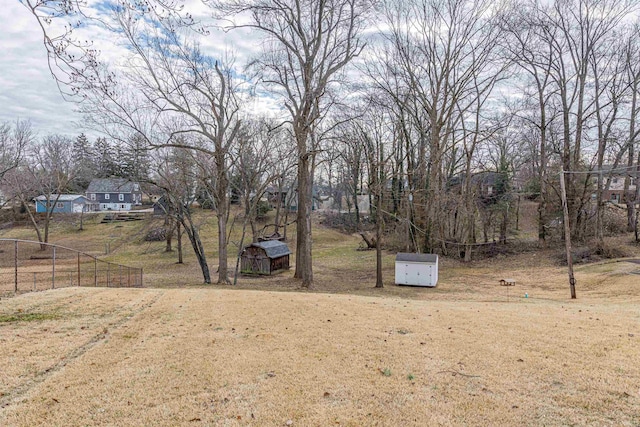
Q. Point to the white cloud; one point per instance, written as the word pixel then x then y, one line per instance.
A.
pixel 27 89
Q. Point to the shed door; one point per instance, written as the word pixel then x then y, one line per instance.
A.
pixel 412 272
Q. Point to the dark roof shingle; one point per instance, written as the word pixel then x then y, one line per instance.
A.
pixel 110 185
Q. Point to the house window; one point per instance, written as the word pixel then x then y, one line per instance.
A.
pixel 106 196
pixel 614 198
pixel 123 207
pixel 135 187
pixel 59 205
pixel 121 197
pixel 615 180
pixel 93 196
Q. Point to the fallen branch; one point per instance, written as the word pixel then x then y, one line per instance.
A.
pixel 454 373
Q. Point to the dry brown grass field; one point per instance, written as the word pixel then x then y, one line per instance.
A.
pixel 266 353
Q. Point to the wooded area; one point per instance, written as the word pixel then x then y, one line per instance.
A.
pixel 444 113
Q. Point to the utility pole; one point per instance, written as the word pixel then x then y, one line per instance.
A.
pixel 567 234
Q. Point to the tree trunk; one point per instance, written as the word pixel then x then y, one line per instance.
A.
pixel 196 243
pixel 599 208
pixel 542 173
pixel 179 235
pixel 169 238
pixel 379 283
pixel 304 269
pixel 504 224
pixel 32 218
pixel 222 210
pixel 631 201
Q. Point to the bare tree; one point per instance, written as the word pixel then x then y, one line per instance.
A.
pixel 177 177
pixel 309 43
pixel 14 138
pixel 535 56
pixel 446 73
pixel 167 90
pixel 46 170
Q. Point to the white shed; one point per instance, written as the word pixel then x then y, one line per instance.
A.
pixel 417 269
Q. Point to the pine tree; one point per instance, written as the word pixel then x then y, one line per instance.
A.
pixel 135 159
pixel 83 162
pixel 105 159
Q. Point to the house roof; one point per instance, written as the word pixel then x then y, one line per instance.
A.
pixel 61 197
pixel 273 248
pixel 411 257
pixel 111 185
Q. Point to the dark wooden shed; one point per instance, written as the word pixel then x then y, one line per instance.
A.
pixel 266 257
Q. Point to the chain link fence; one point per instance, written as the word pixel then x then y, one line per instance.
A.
pixel 27 266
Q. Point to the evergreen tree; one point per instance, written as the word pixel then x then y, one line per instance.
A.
pixel 105 159
pixel 134 159
pixel 83 162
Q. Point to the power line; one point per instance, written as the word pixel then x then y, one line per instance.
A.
pixel 608 171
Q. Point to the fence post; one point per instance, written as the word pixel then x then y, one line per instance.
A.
pixel 15 265
pixel 95 272
pixel 53 272
pixel 78 268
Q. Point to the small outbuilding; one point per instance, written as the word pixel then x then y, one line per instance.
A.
pixel 417 269
pixel 64 203
pixel 265 258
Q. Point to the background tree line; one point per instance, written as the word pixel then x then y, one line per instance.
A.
pixel 445 112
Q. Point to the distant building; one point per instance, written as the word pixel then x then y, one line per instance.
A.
pixel 484 183
pixel 161 207
pixel 615 192
pixel 64 203
pixel 114 194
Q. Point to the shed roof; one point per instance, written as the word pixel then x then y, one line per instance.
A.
pixel 411 257
pixel 61 197
pixel 110 185
pixel 273 248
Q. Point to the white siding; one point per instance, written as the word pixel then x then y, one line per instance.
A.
pixel 417 273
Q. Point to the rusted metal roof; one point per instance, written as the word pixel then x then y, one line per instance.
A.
pixel 273 248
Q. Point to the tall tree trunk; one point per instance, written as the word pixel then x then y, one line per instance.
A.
pixel 631 201
pixel 304 269
pixel 196 243
pixel 179 235
pixel 379 282
pixel 34 222
pixel 222 211
pixel 542 173
pixel 169 237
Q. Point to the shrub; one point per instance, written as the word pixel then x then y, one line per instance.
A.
pixel 262 209
pixel 157 234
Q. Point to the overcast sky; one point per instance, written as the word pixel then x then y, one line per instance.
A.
pixel 29 92
pixel 27 88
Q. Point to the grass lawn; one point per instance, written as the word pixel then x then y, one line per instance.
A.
pixel 267 353
pixel 196 357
